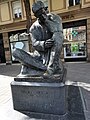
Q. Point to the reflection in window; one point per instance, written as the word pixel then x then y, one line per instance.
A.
pixel 70 2
pixel 74 2
pixel 77 2
pixel 45 2
pixel 18 37
pixel 75 33
pixel 16 6
pixel 18 40
pixel 75 42
pixel 74 50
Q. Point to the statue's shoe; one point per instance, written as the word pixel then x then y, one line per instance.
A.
pixel 58 76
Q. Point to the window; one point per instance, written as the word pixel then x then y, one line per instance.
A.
pixel 18 39
pixel 45 2
pixel 16 9
pixel 75 33
pixel 75 42
pixel 74 2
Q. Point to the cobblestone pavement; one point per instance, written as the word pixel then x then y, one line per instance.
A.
pixel 77 74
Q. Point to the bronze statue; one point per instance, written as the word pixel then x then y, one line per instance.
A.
pixel 47 39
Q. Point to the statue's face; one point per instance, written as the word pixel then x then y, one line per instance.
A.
pixel 41 14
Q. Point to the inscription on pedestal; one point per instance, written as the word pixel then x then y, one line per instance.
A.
pixel 47 98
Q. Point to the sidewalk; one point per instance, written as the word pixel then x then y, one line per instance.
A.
pixel 7 74
pixel 78 74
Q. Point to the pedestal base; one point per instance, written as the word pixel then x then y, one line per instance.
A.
pixel 39 99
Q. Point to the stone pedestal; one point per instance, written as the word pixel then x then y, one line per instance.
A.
pixel 37 98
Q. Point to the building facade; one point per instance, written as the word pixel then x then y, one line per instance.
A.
pixel 75 16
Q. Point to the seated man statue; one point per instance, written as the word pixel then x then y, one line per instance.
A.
pixel 47 39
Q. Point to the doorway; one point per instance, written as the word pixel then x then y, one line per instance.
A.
pixel 2 52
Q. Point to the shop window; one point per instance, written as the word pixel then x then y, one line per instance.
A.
pixel 74 2
pixel 75 33
pixel 75 42
pixel 18 39
pixel 16 6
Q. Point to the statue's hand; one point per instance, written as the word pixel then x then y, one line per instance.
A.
pixel 49 43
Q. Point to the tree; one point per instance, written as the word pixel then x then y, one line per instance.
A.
pixel 29 19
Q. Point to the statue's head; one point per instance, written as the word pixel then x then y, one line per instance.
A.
pixel 39 10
